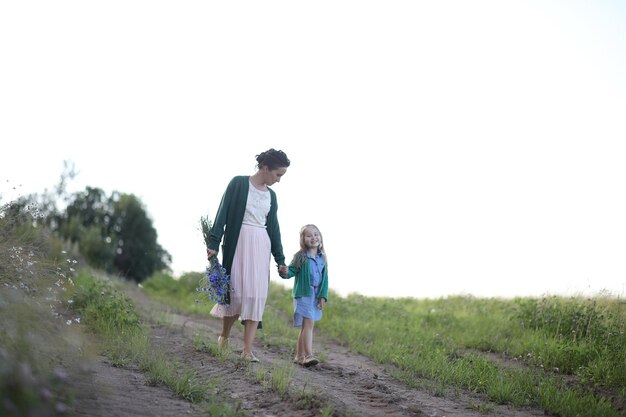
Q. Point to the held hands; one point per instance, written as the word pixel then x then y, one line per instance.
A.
pixel 282 271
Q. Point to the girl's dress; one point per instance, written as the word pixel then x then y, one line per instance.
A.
pixel 307 306
pixel 249 274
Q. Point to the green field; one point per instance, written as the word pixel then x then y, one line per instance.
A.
pixel 566 356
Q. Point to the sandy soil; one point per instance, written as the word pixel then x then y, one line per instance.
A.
pixel 353 384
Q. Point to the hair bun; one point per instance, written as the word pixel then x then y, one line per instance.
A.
pixel 273 159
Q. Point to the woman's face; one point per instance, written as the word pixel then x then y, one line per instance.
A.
pixel 272 176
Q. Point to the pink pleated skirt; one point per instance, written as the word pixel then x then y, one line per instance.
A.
pixel 249 276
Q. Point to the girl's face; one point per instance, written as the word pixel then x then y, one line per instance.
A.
pixel 312 238
pixel 272 176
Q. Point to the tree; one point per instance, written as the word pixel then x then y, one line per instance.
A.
pixel 113 233
pixel 138 254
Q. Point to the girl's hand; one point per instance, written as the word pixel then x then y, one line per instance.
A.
pixel 210 253
pixel 282 270
pixel 320 303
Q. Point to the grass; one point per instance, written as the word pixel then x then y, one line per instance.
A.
pixel 277 378
pixel 445 340
pixel 44 305
pixel 37 354
pixel 445 344
pixel 126 341
pixel 203 345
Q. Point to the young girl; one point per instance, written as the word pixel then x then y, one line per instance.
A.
pixel 310 290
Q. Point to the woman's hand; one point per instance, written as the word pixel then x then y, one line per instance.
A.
pixel 283 270
pixel 210 253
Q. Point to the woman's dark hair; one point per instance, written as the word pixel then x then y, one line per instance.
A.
pixel 272 159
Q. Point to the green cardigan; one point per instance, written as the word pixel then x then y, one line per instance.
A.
pixel 302 284
pixel 229 218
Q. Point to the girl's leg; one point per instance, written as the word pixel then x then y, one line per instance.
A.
pixel 307 343
pixel 307 336
pixel 300 346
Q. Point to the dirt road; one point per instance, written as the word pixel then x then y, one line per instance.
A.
pixel 352 384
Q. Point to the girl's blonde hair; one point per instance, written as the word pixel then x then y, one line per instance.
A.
pixel 300 257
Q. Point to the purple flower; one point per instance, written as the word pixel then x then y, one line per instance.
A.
pixel 215 283
pixel 61 408
pixel 46 395
pixel 60 374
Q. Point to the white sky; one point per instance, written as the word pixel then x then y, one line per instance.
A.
pixel 442 147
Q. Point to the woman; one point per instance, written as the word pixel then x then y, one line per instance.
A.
pixel 247 220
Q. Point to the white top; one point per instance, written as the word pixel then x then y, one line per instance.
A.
pixel 257 207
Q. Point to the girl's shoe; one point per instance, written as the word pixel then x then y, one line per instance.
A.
pixel 309 360
pixel 297 360
pixel 249 357
pixel 222 342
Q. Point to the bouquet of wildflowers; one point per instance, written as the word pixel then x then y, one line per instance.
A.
pixel 215 284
